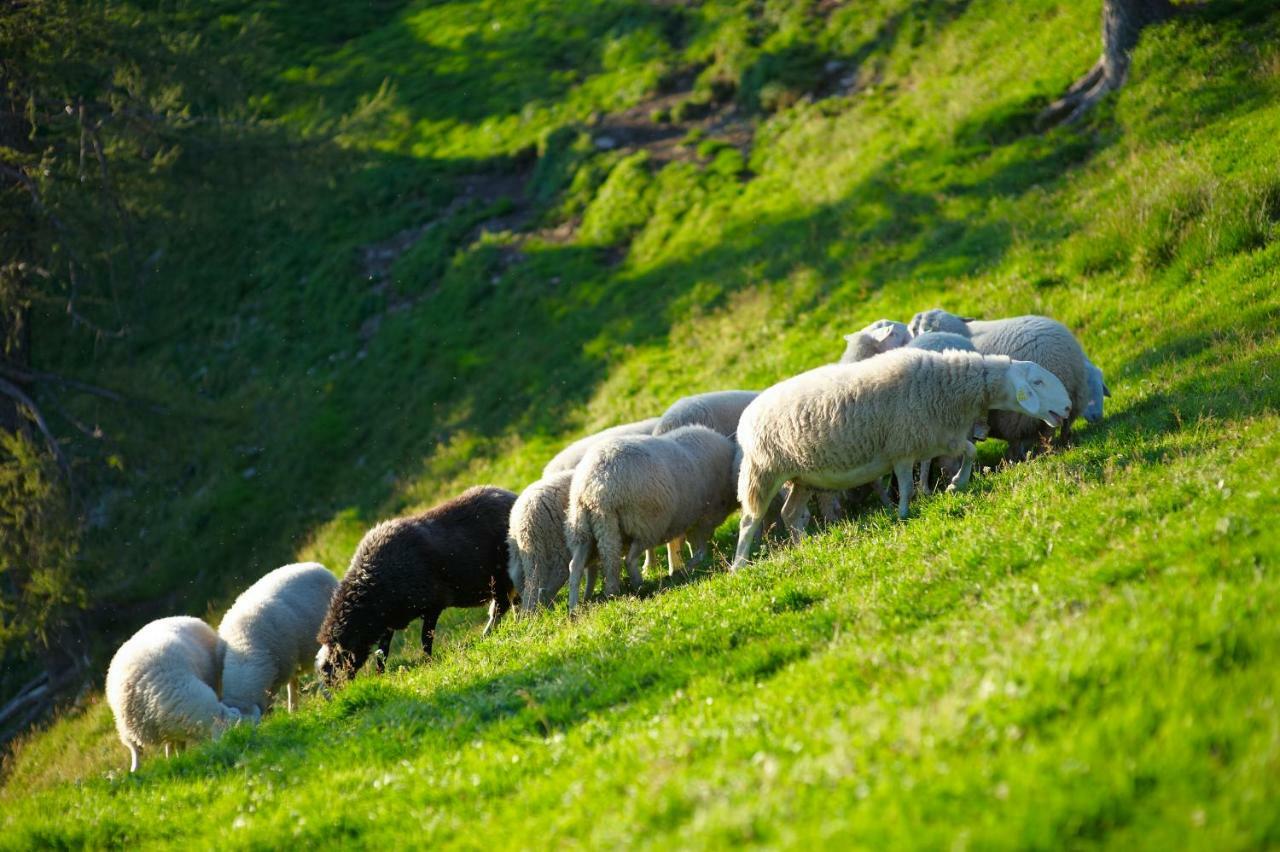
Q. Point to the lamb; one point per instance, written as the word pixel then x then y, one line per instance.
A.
pixel 1098 391
pixel 538 553
pixel 454 554
pixel 641 491
pixel 568 458
pixel 879 337
pixel 841 425
pixel 270 632
pixel 1042 340
pixel 163 686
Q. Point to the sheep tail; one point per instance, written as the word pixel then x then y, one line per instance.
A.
pixel 608 536
pixel 753 491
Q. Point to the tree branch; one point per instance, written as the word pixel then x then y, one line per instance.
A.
pixel 20 375
pixel 15 393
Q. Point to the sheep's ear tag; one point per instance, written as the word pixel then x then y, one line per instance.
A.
pixel 1023 395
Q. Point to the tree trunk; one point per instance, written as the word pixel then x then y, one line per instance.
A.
pixel 1122 22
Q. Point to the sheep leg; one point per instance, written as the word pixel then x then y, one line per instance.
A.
pixel 675 555
pixel 699 539
pixel 877 485
pixel 961 479
pixel 292 693
pixel 829 506
pixel 748 526
pixel 925 472
pixel 904 471
pixel 383 650
pixel 493 617
pixel 609 545
pixel 166 751
pixel 133 757
pixel 429 630
pixel 576 566
pixel 633 567
pixel 795 512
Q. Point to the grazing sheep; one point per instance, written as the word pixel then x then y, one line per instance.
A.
pixel 637 492
pixel 538 552
pixel 717 410
pixel 879 337
pixel 1098 391
pixel 846 424
pixel 568 458
pixel 163 686
pixel 270 633
pixel 1042 340
pixel 452 555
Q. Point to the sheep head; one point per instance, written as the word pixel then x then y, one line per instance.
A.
pixel 336 664
pixel 1030 389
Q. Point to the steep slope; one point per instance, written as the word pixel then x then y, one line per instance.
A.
pixel 1080 647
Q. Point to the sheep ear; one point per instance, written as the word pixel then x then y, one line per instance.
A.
pixel 1028 399
pixel 881 334
pixel 851 336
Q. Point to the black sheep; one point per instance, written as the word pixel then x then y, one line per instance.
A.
pixel 454 554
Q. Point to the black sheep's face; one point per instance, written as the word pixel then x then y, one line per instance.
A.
pixel 335 665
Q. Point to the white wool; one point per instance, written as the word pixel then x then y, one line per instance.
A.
pixel 568 458
pixel 538 553
pixel 844 425
pixel 718 411
pixel 270 632
pixel 163 685
pixel 1042 340
pixel 638 492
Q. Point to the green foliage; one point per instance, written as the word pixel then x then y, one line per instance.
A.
pixel 38 537
pixel 623 203
pixel 1077 650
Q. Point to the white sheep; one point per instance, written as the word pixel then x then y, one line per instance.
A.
pixel 270 632
pixel 879 337
pixel 842 425
pixel 568 458
pixel 637 492
pixel 163 686
pixel 1042 340
pixel 538 553
pixel 717 410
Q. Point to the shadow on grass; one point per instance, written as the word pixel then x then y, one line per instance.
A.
pixel 504 341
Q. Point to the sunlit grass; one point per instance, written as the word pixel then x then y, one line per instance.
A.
pixel 1077 650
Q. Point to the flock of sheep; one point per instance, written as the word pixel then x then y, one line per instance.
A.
pixel 900 396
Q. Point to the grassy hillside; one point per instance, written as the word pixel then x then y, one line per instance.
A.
pixel 462 234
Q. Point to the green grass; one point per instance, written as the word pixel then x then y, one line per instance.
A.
pixel 1079 650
